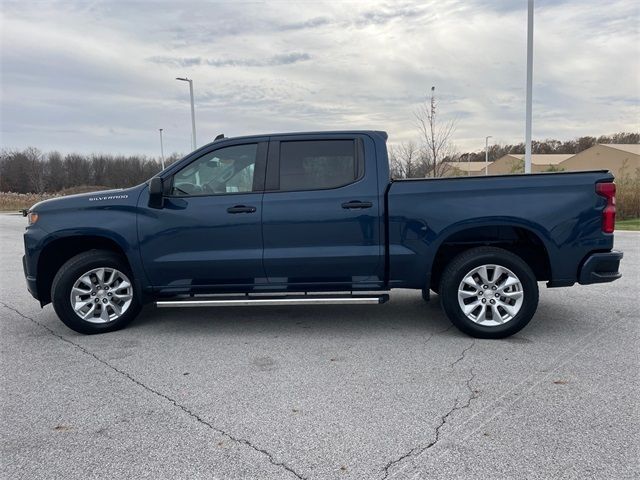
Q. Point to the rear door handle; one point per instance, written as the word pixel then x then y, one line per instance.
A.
pixel 357 204
pixel 241 209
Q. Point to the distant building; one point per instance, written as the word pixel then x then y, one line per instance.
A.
pixel 514 163
pixel 617 158
pixel 461 169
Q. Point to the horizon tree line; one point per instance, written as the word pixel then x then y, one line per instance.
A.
pixel 32 171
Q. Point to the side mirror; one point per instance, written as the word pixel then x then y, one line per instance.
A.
pixel 156 191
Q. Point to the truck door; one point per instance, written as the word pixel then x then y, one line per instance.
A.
pixel 321 212
pixel 208 233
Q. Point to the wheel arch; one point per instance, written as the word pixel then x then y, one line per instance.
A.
pixel 524 239
pixel 59 250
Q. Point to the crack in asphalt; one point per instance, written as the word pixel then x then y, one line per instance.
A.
pixel 443 419
pixel 464 352
pixel 175 403
pixel 439 332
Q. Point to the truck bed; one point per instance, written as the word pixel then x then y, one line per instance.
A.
pixel 559 210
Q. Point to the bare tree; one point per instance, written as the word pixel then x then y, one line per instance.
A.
pixel 435 138
pixel 36 168
pixel 404 161
pixel 56 176
pixel 14 172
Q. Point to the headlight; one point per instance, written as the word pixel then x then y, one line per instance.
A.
pixel 32 217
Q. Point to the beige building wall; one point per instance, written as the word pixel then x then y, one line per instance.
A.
pixel 539 163
pixel 503 165
pixel 618 159
pixel 464 169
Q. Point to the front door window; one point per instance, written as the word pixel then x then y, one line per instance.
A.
pixel 226 170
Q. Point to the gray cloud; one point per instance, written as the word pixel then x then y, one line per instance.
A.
pixel 280 59
pixel 387 13
pixel 378 16
pixel 176 61
pixel 306 24
pixel 275 60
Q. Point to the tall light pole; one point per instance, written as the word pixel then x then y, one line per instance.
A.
pixel 161 149
pixel 527 142
pixel 193 111
pixel 486 154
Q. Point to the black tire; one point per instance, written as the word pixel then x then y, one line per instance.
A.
pixel 71 271
pixel 463 264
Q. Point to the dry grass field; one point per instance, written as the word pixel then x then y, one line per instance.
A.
pixel 10 201
pixel 14 202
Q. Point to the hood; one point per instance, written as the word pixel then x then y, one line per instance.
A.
pixel 119 196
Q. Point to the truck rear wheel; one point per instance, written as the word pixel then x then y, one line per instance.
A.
pixel 93 292
pixel 489 292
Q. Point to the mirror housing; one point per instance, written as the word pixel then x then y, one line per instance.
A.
pixel 156 193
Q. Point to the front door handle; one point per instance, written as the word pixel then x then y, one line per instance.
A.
pixel 241 209
pixel 357 204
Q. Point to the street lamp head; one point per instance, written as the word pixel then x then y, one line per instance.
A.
pixel 185 79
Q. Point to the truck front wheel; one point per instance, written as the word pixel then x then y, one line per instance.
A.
pixel 93 292
pixel 489 292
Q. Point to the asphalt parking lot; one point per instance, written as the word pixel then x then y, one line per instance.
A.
pixel 327 392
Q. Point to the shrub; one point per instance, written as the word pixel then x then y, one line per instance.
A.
pixel 628 193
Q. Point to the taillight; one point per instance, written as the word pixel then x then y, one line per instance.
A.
pixel 608 191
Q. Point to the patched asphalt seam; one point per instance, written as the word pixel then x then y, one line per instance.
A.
pixel 175 403
pixel 443 420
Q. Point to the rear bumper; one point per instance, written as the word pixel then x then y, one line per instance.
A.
pixel 600 268
pixel 32 284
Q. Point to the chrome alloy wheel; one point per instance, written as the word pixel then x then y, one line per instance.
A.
pixel 490 295
pixel 101 295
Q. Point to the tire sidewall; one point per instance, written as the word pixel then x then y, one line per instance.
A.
pixel 67 276
pixel 449 294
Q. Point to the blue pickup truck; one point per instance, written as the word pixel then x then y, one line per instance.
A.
pixel 313 218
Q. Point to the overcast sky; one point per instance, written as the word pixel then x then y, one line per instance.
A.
pixel 92 76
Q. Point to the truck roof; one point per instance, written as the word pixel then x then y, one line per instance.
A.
pixel 320 132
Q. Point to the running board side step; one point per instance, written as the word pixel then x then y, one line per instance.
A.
pixel 262 301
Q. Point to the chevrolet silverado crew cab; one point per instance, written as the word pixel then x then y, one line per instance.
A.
pixel 314 218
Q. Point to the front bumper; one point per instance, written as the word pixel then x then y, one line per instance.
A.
pixel 32 284
pixel 600 268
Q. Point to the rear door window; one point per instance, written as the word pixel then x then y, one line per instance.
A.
pixel 317 164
